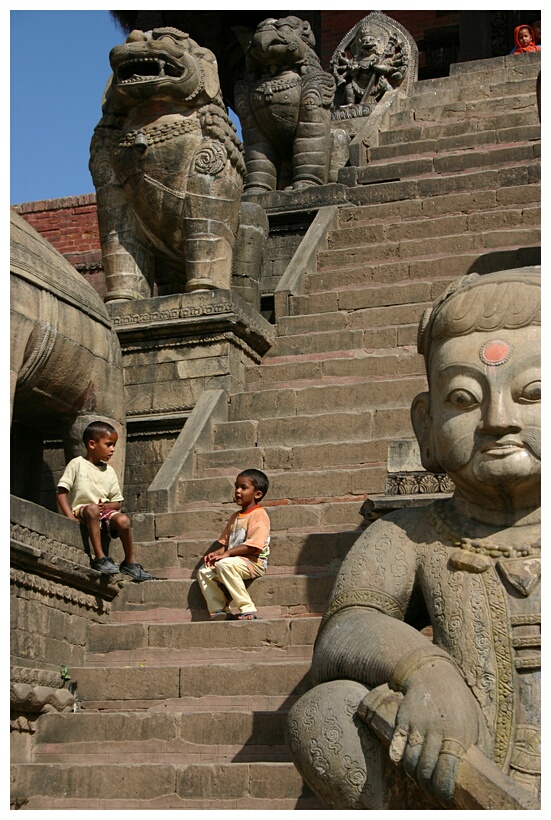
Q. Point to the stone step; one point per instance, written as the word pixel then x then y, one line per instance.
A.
pixel 417 129
pixel 352 395
pixel 360 338
pixel 346 300
pixel 316 516
pixel 477 97
pixel 362 364
pixel 497 179
pixel 295 485
pixel 377 321
pixel 292 459
pixel 425 145
pixel 291 553
pixel 491 156
pixel 483 241
pixel 469 201
pixel 173 737
pixel 155 684
pixel 423 267
pixel 282 636
pixel 198 786
pixel 432 226
pixel 305 592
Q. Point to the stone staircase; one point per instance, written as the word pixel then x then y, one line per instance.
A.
pixel 175 712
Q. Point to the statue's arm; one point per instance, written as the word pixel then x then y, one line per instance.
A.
pixel 363 635
pixel 364 638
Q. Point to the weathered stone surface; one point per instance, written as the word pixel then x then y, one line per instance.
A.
pixel 127 684
pixel 65 358
pixel 131 782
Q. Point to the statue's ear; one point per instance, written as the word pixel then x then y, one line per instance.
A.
pixel 422 424
pixel 210 74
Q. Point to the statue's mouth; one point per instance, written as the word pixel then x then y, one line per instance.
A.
pixel 146 69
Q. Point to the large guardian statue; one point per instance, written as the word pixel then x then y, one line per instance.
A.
pixel 168 169
pixel 284 103
pixel 436 610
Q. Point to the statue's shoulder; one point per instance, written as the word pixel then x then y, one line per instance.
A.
pixel 405 526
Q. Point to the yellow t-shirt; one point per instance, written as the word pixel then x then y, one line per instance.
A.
pixel 89 483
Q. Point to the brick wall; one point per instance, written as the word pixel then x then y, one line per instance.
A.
pixel 70 224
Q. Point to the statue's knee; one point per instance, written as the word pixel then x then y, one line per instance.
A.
pixel 332 747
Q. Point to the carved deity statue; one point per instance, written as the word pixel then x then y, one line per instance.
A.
pixel 375 57
pixel 284 103
pixel 436 610
pixel 168 169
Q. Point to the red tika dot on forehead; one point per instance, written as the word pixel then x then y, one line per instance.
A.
pixel 495 352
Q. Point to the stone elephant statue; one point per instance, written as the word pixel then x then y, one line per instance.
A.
pixel 65 359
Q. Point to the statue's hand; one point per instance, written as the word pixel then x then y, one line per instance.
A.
pixel 437 721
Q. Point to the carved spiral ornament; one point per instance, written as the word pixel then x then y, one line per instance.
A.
pixel 210 159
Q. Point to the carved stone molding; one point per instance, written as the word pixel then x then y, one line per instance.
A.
pixel 417 483
pixel 47 587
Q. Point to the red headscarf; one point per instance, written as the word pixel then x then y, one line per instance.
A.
pixel 524 49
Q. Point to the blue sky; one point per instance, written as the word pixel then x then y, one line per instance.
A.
pixel 59 68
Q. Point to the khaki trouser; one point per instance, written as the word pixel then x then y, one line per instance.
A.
pixel 231 572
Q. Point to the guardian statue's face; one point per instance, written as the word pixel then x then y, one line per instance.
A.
pixel 485 411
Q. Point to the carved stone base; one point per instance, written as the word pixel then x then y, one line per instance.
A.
pixel 174 349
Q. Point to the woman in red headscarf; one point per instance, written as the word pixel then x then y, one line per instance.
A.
pixel 524 40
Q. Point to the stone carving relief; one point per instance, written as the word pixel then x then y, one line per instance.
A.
pixel 66 363
pixel 427 663
pixel 168 169
pixel 377 56
pixel 284 103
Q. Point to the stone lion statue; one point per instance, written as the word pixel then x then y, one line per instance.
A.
pixel 284 103
pixel 168 169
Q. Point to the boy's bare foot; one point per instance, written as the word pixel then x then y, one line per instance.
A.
pixel 247 616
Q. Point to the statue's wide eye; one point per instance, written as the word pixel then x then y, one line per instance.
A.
pixel 462 399
pixel 531 392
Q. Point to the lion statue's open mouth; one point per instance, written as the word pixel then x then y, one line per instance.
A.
pixel 146 69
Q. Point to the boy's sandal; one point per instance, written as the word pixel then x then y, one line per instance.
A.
pixel 220 615
pixel 247 616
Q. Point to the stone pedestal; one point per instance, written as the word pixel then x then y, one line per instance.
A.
pixel 175 348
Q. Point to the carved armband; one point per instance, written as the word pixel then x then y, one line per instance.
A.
pixel 413 661
pixel 372 598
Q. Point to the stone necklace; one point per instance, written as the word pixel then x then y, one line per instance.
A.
pixel 482 546
pixel 520 566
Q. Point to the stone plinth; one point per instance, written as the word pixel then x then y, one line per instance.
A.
pixel 175 348
pixel 54 597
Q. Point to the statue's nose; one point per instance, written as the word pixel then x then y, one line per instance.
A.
pixel 500 414
pixel 137 36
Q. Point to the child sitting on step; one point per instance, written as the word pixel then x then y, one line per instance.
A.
pixel 89 492
pixel 243 552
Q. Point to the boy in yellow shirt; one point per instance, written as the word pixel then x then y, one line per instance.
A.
pixel 89 492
